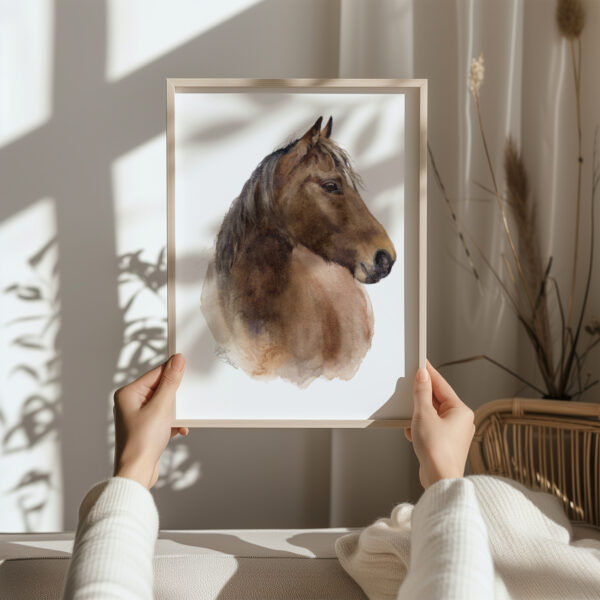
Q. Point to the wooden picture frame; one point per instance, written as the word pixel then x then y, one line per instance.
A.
pixel 396 410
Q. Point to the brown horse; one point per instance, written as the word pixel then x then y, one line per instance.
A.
pixel 283 294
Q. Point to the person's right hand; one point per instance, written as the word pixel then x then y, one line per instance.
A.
pixel 441 429
pixel 144 411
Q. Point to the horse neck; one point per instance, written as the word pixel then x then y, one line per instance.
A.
pixel 258 277
pixel 266 250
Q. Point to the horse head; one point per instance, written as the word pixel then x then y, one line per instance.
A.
pixel 317 203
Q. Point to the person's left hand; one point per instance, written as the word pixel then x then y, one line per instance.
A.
pixel 144 411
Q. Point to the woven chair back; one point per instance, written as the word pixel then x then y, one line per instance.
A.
pixel 546 445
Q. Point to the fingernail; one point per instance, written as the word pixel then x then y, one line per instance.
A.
pixel 422 375
pixel 178 362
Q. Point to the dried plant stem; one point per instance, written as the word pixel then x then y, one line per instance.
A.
pixel 461 237
pixel 587 387
pixel 527 290
pixel 539 354
pixel 541 357
pixel 587 350
pixel 524 215
pixel 501 205
pixel 563 337
pixel 542 291
pixel 494 362
pixel 576 56
pixel 495 274
pixel 508 268
pixel 579 382
pixel 485 188
pixel 595 183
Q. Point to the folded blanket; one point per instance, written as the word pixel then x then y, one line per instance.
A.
pixel 530 539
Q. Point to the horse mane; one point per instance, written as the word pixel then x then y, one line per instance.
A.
pixel 255 199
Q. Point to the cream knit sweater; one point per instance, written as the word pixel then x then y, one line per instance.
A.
pixel 476 537
pixel 114 543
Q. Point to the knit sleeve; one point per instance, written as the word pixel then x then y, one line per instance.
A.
pixel 450 555
pixel 114 543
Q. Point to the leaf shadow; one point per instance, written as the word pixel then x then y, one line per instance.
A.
pixel 33 336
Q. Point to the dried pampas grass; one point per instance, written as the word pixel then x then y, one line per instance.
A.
pixel 524 216
pixel 570 16
pixel 476 75
pixel 531 290
pixel 523 212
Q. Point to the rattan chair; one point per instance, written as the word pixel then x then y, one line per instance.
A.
pixel 546 445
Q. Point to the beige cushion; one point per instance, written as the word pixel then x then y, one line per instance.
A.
pixel 225 564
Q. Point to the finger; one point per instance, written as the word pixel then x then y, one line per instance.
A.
pixel 164 396
pixel 179 430
pixel 149 380
pixel 135 394
pixel 442 390
pixel 422 394
pixel 408 434
pixel 126 400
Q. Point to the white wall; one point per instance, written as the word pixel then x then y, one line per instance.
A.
pixel 82 118
pixel 95 149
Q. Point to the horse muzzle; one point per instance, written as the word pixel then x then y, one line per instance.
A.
pixel 376 270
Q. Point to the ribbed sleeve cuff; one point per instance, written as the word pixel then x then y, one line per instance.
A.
pixel 449 545
pixel 114 545
pixel 123 496
pixel 440 494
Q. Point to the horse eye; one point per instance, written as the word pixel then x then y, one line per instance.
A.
pixel 331 187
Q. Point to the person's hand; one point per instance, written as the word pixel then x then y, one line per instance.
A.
pixel 144 411
pixel 441 429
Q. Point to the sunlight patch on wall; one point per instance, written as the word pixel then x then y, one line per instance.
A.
pixel 139 196
pixel 140 31
pixel 30 391
pixel 139 188
pixel 26 52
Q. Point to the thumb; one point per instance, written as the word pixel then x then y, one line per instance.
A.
pixel 169 382
pixel 422 393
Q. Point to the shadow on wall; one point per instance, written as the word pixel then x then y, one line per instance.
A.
pixel 144 339
pixel 93 123
pixel 144 346
pixel 31 334
pixel 246 478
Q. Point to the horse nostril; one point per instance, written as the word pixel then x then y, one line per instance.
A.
pixel 383 262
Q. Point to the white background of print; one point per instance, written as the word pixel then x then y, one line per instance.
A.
pixel 210 172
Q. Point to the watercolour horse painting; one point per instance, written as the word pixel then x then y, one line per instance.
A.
pixel 283 294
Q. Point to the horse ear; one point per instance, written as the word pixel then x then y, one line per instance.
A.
pixel 327 129
pixel 312 135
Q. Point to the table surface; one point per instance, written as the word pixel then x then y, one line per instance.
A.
pixel 242 543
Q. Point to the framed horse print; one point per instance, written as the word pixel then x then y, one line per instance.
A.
pixel 296 250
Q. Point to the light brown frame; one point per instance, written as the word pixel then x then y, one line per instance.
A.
pixel 415 91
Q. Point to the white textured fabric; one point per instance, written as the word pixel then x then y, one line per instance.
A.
pixel 114 543
pixel 450 555
pixel 529 540
pixel 114 547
